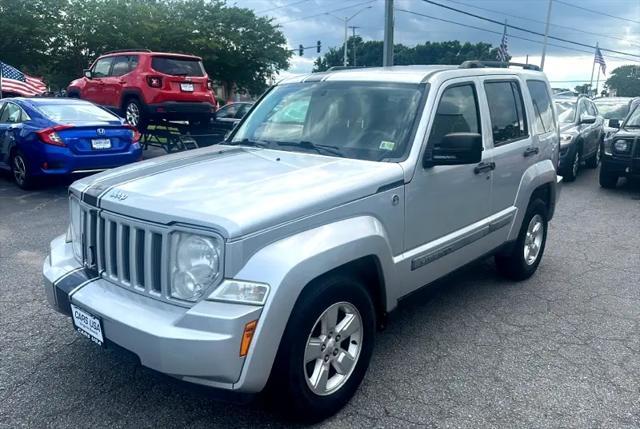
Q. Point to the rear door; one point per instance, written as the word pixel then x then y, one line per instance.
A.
pixel 543 124
pixel 513 148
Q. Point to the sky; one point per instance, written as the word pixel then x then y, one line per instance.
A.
pixel 306 21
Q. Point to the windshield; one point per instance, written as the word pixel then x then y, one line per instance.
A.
pixel 76 112
pixel 633 121
pixel 566 111
pixel 178 66
pixel 371 121
pixel 613 110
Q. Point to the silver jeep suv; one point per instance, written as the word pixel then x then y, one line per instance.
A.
pixel 268 261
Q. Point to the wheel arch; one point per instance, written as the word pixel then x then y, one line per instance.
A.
pixel 128 94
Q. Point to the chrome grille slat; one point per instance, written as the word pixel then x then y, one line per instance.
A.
pixel 133 242
pixel 148 261
pixel 120 252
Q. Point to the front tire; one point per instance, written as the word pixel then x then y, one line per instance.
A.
pixel 325 350
pixel 594 160
pixel 571 171
pixel 523 258
pixel 607 179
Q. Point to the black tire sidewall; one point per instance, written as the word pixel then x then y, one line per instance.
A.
pixel 568 174
pixel 27 183
pixel 289 376
pixel 142 118
pixel 537 207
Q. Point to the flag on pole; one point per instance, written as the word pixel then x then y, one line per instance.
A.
pixel 599 59
pixel 503 55
pixel 13 80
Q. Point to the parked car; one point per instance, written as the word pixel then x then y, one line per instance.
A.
pixel 148 86
pixel 268 261
pixel 614 110
pixel 41 137
pixel 228 116
pixel 581 135
pixel 621 155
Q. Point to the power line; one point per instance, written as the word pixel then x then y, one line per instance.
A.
pixel 510 35
pixel 327 12
pixel 282 7
pixel 542 22
pixel 526 30
pixel 596 11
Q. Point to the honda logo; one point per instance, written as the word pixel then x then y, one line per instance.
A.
pixel 100 131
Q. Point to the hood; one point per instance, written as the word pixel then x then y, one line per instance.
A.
pixel 236 190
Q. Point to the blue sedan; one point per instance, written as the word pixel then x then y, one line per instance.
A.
pixel 42 137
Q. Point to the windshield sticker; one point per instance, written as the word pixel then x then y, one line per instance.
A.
pixel 386 145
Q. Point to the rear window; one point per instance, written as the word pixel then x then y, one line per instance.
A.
pixel 75 113
pixel 178 66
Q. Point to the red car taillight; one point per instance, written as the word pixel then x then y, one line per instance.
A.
pixel 135 134
pixel 50 135
pixel 154 81
pixel 209 85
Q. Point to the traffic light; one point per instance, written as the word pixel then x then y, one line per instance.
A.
pixel 318 46
pixel 301 50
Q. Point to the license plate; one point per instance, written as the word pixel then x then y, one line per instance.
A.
pixel 101 143
pixel 186 87
pixel 87 324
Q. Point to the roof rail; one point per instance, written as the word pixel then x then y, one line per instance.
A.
pixel 117 51
pixel 336 68
pixel 474 64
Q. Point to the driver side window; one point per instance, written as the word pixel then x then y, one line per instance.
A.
pixel 12 114
pixel 457 113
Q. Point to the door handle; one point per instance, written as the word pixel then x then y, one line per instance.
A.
pixel 531 151
pixel 484 166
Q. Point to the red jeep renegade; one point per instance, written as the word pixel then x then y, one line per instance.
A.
pixel 146 86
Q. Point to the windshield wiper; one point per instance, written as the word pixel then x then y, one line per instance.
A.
pixel 247 142
pixel 320 148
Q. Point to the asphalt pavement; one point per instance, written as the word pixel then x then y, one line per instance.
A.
pixel 559 350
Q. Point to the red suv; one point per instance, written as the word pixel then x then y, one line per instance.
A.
pixel 146 86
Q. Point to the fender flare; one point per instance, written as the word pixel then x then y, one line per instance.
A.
pixel 128 92
pixel 289 265
pixel 538 174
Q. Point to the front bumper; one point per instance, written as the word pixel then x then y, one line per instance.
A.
pixel 200 344
pixel 627 166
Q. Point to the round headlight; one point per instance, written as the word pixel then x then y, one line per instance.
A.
pixel 196 265
pixel 621 145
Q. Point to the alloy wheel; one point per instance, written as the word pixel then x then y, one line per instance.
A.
pixel 133 114
pixel 333 348
pixel 533 239
pixel 19 169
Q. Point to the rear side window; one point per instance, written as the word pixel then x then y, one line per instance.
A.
pixel 506 110
pixel 120 66
pixel 545 120
pixel 177 66
pixel 457 113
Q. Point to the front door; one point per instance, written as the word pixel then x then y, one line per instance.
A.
pixel 113 83
pixel 446 205
pixel 93 90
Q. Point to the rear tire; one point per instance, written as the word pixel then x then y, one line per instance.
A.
pixel 524 256
pixel 607 179
pixel 20 171
pixel 313 343
pixel 135 114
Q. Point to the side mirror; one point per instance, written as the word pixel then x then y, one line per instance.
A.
pixel 455 149
pixel 87 73
pixel 614 123
pixel 587 119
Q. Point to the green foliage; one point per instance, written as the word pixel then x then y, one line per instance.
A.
pixel 583 89
pixel 369 53
pixel 59 38
pixel 625 80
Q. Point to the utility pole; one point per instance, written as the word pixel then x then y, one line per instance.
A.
pixel 546 35
pixel 353 37
pixel 346 20
pixel 387 53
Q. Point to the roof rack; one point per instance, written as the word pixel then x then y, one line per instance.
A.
pixel 336 68
pixel 117 51
pixel 475 64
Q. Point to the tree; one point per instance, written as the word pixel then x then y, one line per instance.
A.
pixel 237 46
pixel 625 80
pixel 369 53
pixel 583 89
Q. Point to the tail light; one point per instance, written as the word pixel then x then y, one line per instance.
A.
pixel 209 85
pixel 154 81
pixel 50 135
pixel 135 134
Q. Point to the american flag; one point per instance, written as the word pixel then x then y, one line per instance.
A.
pixel 503 55
pixel 13 80
pixel 599 59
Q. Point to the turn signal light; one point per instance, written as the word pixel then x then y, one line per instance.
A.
pixel 50 135
pixel 247 336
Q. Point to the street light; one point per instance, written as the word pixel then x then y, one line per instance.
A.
pixel 346 29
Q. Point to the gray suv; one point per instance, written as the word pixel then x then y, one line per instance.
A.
pixel 267 262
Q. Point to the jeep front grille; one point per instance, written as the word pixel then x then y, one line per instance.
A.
pixel 127 252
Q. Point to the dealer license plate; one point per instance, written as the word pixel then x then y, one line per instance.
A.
pixel 87 324
pixel 188 87
pixel 101 143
